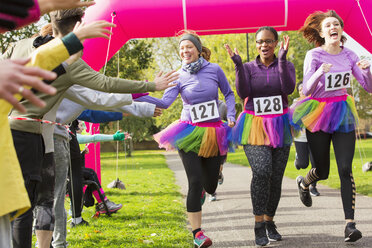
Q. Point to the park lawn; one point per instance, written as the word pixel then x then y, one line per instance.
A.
pixel 153 213
pixel 363 180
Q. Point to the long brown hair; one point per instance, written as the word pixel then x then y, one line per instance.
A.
pixel 313 26
pixel 206 53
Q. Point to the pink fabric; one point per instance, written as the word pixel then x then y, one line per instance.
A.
pixel 266 116
pixel 331 99
pixel 164 18
pixel 96 195
pixel 93 158
pixel 204 124
pixel 33 16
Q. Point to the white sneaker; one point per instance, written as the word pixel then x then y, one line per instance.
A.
pixel 213 197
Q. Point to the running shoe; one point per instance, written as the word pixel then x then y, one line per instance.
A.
pixel 260 234
pixel 314 191
pixel 304 193
pixel 201 240
pixel 351 233
pixel 220 178
pixel 82 223
pixel 213 197
pixel 202 197
pixel 111 206
pixel 271 231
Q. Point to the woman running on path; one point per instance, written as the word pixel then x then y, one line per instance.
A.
pixel 263 127
pixel 201 138
pixel 329 114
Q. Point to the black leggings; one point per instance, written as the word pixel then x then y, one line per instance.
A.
pixel 268 166
pixel 76 194
pixel 303 154
pixel 201 173
pixel 344 146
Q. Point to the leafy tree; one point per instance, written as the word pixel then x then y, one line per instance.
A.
pixel 12 36
pixel 131 60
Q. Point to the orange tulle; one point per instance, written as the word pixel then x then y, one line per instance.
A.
pixel 258 135
pixel 311 119
pixel 209 146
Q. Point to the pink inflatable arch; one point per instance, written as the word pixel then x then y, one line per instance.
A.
pixel 163 18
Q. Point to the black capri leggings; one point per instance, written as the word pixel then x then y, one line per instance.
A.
pixel 344 146
pixel 201 173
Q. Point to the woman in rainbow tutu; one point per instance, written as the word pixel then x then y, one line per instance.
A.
pixel 329 113
pixel 263 127
pixel 201 138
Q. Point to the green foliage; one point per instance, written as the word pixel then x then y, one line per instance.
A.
pixel 12 36
pixel 153 213
pixel 131 60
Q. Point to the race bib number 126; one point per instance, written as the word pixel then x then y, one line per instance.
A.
pixel 268 105
pixel 337 80
pixel 204 111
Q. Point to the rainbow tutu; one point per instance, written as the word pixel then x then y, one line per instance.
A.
pixel 207 139
pixel 332 114
pixel 268 130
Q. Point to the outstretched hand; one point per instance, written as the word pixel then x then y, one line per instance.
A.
pixel 285 45
pixel 229 51
pixel 162 81
pixel 14 75
pixel 119 136
pixel 158 112
pixel 94 29
pixel 47 6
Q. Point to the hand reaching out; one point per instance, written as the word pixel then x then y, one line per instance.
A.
pixel 92 30
pixel 47 6
pixel 162 81
pixel 158 112
pixel 14 75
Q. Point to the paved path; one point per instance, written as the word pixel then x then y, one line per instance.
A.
pixel 229 221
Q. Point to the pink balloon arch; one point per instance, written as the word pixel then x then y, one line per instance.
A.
pixel 164 18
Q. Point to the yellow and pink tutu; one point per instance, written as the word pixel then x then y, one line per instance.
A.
pixel 268 130
pixel 331 114
pixel 207 139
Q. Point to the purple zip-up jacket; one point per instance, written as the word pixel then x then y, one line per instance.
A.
pixel 314 77
pixel 254 79
pixel 197 88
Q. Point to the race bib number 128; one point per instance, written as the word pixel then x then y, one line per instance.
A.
pixel 204 111
pixel 337 80
pixel 268 105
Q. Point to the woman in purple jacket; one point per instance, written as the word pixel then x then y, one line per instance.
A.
pixel 263 127
pixel 201 138
pixel 329 113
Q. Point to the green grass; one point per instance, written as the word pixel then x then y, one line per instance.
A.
pixel 363 180
pixel 153 213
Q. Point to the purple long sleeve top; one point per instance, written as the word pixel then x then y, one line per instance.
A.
pixel 314 77
pixel 197 88
pixel 254 79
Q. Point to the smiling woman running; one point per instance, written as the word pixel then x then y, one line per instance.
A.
pixel 329 114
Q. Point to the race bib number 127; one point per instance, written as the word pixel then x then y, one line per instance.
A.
pixel 337 80
pixel 204 111
pixel 268 105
